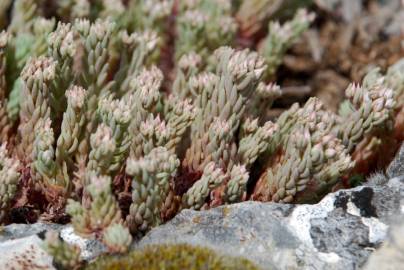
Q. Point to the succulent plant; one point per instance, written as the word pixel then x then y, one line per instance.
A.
pixel 151 177
pixel 102 212
pixel 281 37
pixel 117 121
pixel 5 122
pixel 204 26
pixel 117 238
pixel 196 196
pixel 313 157
pixel 9 175
pixel 64 255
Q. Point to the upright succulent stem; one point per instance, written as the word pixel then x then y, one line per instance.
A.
pixel 9 176
pixel 150 187
pixel 95 39
pixel 5 123
pixel 37 77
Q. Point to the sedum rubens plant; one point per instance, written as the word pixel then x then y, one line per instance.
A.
pixel 37 76
pixel 151 177
pixel 71 128
pixel 281 37
pixel 313 157
pixel 5 122
pixel 196 196
pixel 212 133
pixel 138 49
pixel 372 106
pixel 53 165
pixel 95 39
pixel 203 26
pixel 149 14
pixel 102 211
pixel 100 127
pixel 65 256
pixel 146 93
pixel 9 176
pixel 116 114
pixel 383 130
pixel 117 238
pixel 62 48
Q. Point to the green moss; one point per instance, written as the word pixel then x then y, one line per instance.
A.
pixel 171 257
pixel 356 180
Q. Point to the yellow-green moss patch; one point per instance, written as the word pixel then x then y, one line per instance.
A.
pixel 172 257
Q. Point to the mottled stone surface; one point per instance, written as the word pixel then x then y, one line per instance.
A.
pixel 220 228
pixel 19 239
pixel 89 248
pixel 15 231
pixel 24 253
pixel 396 168
pixel 340 232
pixel 391 254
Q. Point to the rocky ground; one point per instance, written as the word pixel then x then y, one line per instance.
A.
pixel 355 228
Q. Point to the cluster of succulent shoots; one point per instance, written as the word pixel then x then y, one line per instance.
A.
pixel 95 126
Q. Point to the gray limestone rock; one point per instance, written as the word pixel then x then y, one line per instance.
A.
pixel 396 167
pixel 391 255
pixel 340 232
pixel 19 239
pixel 24 253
